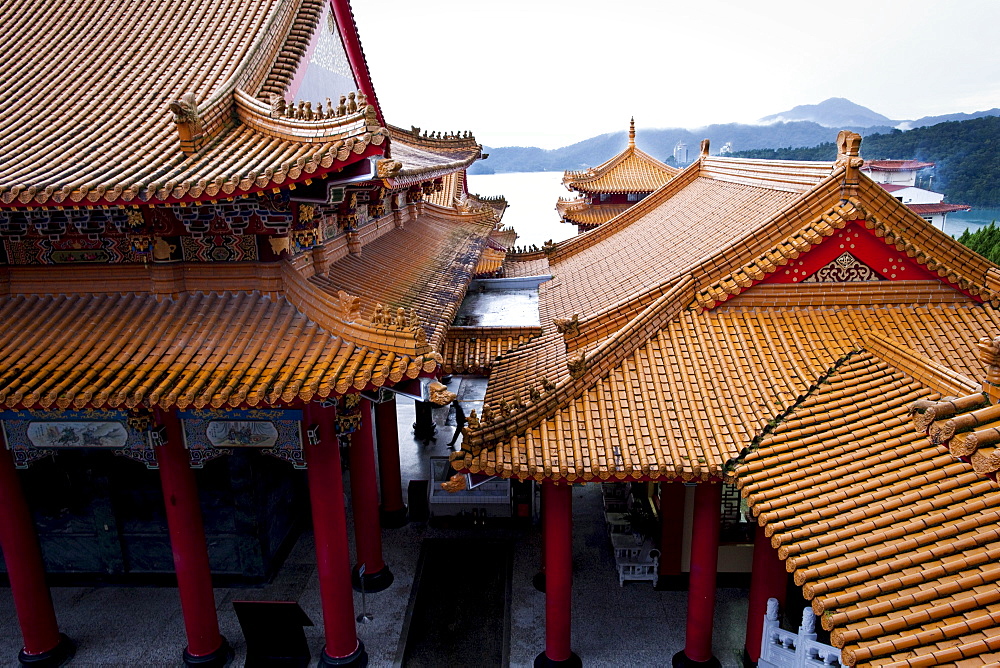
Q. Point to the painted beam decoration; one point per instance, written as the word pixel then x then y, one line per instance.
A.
pixel 210 434
pixel 31 435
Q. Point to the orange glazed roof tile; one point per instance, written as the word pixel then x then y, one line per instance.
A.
pixel 631 343
pixel 631 171
pixel 582 212
pixel 173 105
pixel 968 424
pixel 802 391
pixel 893 540
pixel 423 157
pixel 228 349
pixel 640 409
pixel 426 266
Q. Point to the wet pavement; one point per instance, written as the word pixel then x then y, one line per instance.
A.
pixel 612 625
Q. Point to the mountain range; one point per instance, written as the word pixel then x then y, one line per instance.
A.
pixel 801 126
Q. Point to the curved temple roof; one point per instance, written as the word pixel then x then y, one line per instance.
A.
pixel 635 341
pixel 714 331
pixel 632 170
pixel 80 125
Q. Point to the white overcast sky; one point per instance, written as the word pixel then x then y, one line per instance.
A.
pixel 551 72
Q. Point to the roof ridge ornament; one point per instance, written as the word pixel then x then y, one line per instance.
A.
pixel 704 148
pixel 989 355
pixel 189 122
pixel 631 133
pixel 849 157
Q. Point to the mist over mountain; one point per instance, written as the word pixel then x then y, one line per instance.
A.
pixel 660 144
pixel 803 126
pixel 837 112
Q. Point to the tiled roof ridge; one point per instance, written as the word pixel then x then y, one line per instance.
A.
pixel 936 376
pixel 583 331
pixel 731 467
pixel 294 48
pixel 572 177
pixel 341 316
pixel 788 175
pixel 969 423
pixel 940 255
pixel 581 242
pixel 430 172
pixel 200 349
pixel 249 73
pixel 436 141
pixel 217 156
pixel 894 544
pixel 475 349
pixel 771 245
pixel 318 128
pixel 585 370
pixel 590 215
pixel 579 179
pixel 149 191
pixel 526 256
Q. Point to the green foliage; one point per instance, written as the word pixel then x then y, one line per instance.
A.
pixel 985 241
pixel 967 155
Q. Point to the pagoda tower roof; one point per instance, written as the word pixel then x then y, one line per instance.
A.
pixel 631 171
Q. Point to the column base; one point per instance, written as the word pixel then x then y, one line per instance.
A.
pixel 219 658
pixel 538 581
pixel 543 661
pixel 681 660
pixel 374 582
pixel 357 659
pixel 56 656
pixel 393 519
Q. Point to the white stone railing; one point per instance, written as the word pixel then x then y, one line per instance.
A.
pixel 786 649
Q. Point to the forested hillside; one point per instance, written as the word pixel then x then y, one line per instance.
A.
pixel 657 142
pixel 967 155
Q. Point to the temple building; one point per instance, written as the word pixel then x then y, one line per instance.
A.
pixel 219 265
pixel 769 329
pixel 612 187
pixel 895 172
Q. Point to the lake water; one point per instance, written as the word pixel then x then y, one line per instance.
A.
pixel 960 221
pixel 532 212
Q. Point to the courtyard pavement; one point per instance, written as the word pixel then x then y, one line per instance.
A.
pixel 612 625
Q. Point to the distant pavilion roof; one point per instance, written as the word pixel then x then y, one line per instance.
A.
pixel 631 171
pixel 895 165
pixel 940 207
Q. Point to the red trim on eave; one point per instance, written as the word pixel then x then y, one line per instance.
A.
pixel 352 44
pixel 869 248
pixel 856 239
pixel 369 151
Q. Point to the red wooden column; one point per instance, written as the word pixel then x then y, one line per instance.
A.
pixel 768 579
pixel 671 533
pixel 704 567
pixel 43 644
pixel 392 513
pixel 557 525
pixel 364 503
pixel 206 646
pixel 333 560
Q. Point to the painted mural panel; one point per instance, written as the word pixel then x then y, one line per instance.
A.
pixel 77 434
